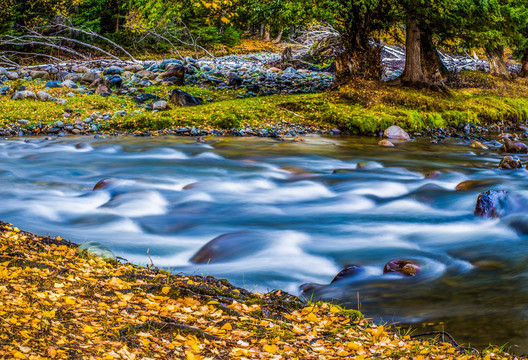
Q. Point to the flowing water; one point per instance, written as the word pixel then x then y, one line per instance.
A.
pixel 300 221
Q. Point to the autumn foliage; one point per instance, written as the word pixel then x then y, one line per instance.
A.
pixel 58 304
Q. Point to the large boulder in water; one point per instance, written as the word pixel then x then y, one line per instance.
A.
pixel 510 163
pixel 396 132
pixel 181 98
pixel 404 267
pixel 348 270
pixel 498 203
pixel 230 246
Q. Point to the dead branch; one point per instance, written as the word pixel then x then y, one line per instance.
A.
pixel 172 325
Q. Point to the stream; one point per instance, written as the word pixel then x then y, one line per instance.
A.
pixel 300 211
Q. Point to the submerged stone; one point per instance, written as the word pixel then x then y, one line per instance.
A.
pixel 230 246
pixel 404 267
pixel 498 203
pixel 95 249
pixel 510 163
pixel 348 270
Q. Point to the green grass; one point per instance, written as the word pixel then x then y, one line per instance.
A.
pixel 360 108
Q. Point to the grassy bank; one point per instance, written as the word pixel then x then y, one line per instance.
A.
pixel 359 108
pixel 58 303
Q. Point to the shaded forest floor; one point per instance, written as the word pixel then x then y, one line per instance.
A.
pixel 59 303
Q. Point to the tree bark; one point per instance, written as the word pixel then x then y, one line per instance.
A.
pixel 524 65
pixel 433 68
pixel 496 59
pixel 358 63
pixel 278 38
pixel 267 33
pixel 413 74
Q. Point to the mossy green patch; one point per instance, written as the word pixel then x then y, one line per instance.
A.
pixel 360 108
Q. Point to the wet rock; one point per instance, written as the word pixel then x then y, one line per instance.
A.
pixel 70 84
pixel 341 171
pixel 510 163
pixel 348 270
pixel 498 203
pixel 115 80
pixel 95 249
pixel 385 143
pixel 233 79
pixel 147 74
pixel 230 246
pixel 103 90
pixel 395 132
pixel 90 77
pixel 404 267
pixel 134 68
pixel 367 165
pixel 160 105
pixel 476 184
pixel 512 146
pixel 478 145
pixel 164 63
pixel 4 90
pixel 53 84
pixel 24 94
pixel 113 70
pixel 144 97
pixel 12 75
pixel 181 98
pixel 431 174
pixel 73 77
pixel 39 74
pixel 101 184
pixel 44 96
pixel 176 72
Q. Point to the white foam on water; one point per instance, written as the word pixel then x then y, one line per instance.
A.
pixel 297 192
pixel 196 196
pixel 137 204
pixel 159 154
pixel 208 155
pixel 383 189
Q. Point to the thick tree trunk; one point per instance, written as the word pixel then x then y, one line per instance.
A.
pixel 358 63
pixel 433 68
pixel 524 65
pixel 267 33
pixel 413 74
pixel 278 38
pixel 496 59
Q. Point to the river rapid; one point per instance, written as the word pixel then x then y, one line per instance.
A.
pixel 305 209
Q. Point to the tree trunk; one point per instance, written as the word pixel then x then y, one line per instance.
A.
pixel 267 33
pixel 413 74
pixel 524 66
pixel 432 67
pixel 496 60
pixel 358 63
pixel 261 31
pixel 278 38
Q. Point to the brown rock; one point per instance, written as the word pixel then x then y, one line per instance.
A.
pixel 385 143
pixel 102 89
pixel 404 267
pixel 510 163
pixel 512 146
pixel 478 145
pixel 101 184
pixel 177 72
pixel 395 132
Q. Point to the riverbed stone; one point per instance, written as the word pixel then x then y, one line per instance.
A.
pixel 230 246
pixel 160 105
pixel 133 68
pixel 103 90
pixel 12 75
pixel 181 98
pixel 510 163
pixel 53 84
pixel 94 249
pixel 113 70
pixel 70 84
pixel 24 94
pixel 348 271
pixel 44 96
pixel 396 132
pixel 512 146
pixel 233 79
pixel 499 203
pixel 39 74
pixel 90 77
pixel 386 143
pixel 403 267
pixel 478 145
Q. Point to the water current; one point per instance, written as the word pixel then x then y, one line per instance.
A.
pixel 298 219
